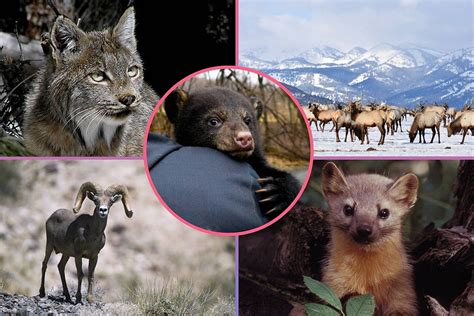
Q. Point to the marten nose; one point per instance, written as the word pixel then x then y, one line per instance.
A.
pixel 127 99
pixel 244 139
pixel 364 231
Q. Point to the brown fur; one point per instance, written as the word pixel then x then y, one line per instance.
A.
pixel 464 122
pixel 378 265
pixel 375 118
pixel 430 119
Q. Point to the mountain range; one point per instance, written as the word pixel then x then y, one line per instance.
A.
pixel 404 75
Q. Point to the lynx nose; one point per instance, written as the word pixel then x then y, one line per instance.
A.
pixel 127 99
pixel 364 231
pixel 244 139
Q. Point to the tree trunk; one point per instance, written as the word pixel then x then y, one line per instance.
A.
pixel 273 261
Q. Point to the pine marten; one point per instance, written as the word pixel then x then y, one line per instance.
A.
pixel 366 254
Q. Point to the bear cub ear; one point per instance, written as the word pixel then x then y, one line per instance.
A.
pixel 174 103
pixel 257 105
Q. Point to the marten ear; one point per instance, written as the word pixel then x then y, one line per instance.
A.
pixel 65 36
pixel 333 181
pixel 405 189
pixel 257 105
pixel 174 103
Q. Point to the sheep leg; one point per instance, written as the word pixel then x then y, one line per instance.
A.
pixel 90 279
pixel 49 250
pixel 433 129
pixel 80 274
pixel 463 135
pixel 61 266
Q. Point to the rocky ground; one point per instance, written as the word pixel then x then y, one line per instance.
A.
pixel 55 305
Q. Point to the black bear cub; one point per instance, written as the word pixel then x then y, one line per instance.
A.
pixel 225 120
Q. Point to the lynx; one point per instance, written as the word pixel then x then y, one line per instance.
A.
pixel 90 98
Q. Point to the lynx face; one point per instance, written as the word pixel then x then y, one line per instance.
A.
pixel 368 207
pixel 98 76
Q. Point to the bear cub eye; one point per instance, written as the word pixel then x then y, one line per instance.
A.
pixel 383 213
pixel 348 210
pixel 214 122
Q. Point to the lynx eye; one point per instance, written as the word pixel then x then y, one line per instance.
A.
pixel 384 213
pixel 247 120
pixel 98 76
pixel 348 210
pixel 214 122
pixel 133 71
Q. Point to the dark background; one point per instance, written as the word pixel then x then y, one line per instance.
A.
pixel 175 38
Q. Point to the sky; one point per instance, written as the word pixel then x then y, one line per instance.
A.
pixel 277 26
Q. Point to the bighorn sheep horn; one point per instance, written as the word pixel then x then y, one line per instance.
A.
pixel 122 190
pixel 81 195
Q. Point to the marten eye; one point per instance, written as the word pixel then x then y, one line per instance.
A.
pixel 133 71
pixel 214 122
pixel 247 120
pixel 348 210
pixel 384 213
pixel 98 76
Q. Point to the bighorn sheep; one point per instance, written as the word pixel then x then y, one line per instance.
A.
pixel 425 120
pixel 464 122
pixel 365 119
pixel 82 235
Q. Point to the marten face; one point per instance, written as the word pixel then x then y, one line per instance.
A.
pixel 217 118
pixel 368 208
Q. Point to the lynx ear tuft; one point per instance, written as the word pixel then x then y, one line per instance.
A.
pixel 124 31
pixel 405 190
pixel 65 35
pixel 333 181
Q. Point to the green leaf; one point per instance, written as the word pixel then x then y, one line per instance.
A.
pixel 323 292
pixel 363 305
pixel 318 309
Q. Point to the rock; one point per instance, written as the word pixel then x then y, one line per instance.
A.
pixel 55 305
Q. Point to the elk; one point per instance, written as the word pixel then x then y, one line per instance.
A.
pixel 81 236
pixel 365 119
pixel 422 121
pixel 464 122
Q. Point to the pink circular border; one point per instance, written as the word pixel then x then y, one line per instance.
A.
pixel 305 182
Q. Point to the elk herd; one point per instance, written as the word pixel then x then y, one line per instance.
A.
pixel 356 118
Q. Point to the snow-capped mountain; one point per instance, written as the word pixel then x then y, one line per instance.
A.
pixel 404 74
pixel 322 55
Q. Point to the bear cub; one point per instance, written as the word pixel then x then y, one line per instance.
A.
pixel 225 120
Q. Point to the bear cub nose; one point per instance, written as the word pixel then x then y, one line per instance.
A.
pixel 244 139
pixel 127 99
